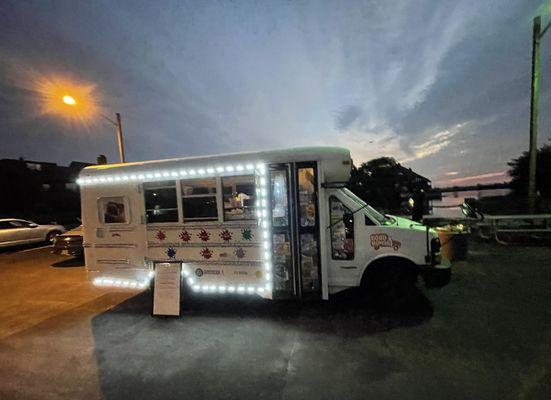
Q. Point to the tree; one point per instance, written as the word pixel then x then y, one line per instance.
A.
pixel 386 185
pixel 519 173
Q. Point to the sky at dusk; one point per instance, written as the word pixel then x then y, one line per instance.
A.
pixel 442 86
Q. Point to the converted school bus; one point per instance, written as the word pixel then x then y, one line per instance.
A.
pixel 278 224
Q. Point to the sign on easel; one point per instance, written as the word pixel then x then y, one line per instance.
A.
pixel 166 294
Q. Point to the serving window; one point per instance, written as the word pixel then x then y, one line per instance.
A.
pixel 199 199
pixel 239 197
pixel 161 203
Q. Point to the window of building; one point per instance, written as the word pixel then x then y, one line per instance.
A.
pixel 199 199
pixel 161 202
pixel 239 197
pixel 342 230
pixel 113 210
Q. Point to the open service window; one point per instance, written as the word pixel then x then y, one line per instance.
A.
pixel 113 210
pixel 239 197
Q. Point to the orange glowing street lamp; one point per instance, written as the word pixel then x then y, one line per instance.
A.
pixel 75 102
pixel 70 101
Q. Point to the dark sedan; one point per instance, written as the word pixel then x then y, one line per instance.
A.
pixel 69 243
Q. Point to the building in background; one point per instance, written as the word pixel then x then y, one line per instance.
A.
pixel 42 191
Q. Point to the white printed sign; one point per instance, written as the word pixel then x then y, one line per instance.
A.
pixel 166 297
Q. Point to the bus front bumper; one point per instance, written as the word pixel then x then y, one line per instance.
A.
pixel 437 275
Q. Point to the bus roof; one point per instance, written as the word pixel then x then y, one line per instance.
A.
pixel 336 155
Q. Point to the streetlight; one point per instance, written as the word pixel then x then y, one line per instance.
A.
pixel 535 93
pixel 70 101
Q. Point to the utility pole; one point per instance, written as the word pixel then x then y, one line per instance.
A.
pixel 535 94
pixel 119 138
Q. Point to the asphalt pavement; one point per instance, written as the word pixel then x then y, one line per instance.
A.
pixel 487 335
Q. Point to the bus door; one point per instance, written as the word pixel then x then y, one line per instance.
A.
pixel 295 225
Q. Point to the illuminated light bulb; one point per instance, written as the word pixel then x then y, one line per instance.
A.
pixel 196 288
pixel 268 277
pixel 229 168
pixel 231 289
pixel 212 288
pixel 201 171
pixel 241 289
pixel 125 177
pixel 210 170
pixel 259 214
pixel 266 255
pixel 150 274
pixel 239 168
pixel 191 172
pixel 266 245
pixel 222 289
pixel 190 281
pixel 140 176
pixel 263 181
pixel 133 284
pixel 102 179
pixel 166 174
pixel 183 173
pixel 174 174
pixel 264 213
pixel 220 169
pixel 149 176
pixel 185 272
pixel 260 290
pixel 264 224
pixel 157 175
pixel 249 167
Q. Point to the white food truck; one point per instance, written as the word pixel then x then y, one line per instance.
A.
pixel 278 224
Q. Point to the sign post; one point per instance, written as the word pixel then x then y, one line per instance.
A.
pixel 166 293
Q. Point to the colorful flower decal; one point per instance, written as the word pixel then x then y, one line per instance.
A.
pixel 239 252
pixel 206 253
pixel 171 252
pixel 204 235
pixel 225 235
pixel 160 235
pixel 247 234
pixel 185 236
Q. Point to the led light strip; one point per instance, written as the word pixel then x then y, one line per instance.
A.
pixel 263 216
pixel 179 173
pixel 128 283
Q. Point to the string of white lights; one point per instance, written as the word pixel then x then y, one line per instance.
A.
pixel 156 175
pixel 263 218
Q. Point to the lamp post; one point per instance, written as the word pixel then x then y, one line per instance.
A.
pixel 537 34
pixel 70 101
pixel 118 125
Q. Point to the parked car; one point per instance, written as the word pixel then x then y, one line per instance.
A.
pixel 69 243
pixel 18 231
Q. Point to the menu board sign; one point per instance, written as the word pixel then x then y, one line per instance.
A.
pixel 166 295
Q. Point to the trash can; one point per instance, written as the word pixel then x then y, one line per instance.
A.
pixel 454 243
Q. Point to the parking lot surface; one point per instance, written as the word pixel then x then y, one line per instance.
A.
pixel 487 335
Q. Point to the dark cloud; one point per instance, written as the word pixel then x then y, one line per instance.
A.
pixel 442 84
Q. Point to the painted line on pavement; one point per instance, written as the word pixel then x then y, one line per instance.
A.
pixel 35 248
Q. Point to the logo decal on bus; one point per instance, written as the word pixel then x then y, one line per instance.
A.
pixel 379 240
pixel 160 235
pixel 206 253
pixel 225 235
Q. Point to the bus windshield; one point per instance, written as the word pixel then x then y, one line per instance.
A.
pixel 376 215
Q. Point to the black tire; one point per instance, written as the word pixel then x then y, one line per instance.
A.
pixel 51 236
pixel 390 285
